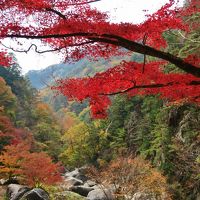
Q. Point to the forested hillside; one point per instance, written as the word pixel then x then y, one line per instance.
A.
pixel 143 128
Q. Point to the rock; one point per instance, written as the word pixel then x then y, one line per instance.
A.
pixel 3 181
pixel 73 181
pixel 100 194
pixel 8 181
pixel 21 193
pixel 70 182
pixel 15 191
pixel 67 195
pixel 36 194
pixel 81 177
pixel 143 196
pixel 82 190
pixel 77 173
pixel 72 173
pixel 89 183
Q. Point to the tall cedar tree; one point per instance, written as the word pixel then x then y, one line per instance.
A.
pixel 57 24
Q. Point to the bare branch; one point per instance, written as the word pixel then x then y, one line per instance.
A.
pixel 46 51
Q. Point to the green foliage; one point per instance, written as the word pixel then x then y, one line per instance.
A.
pixel 67 195
pixel 20 102
pixel 5 197
pixel 46 130
pixel 7 99
pixel 77 151
pixel 25 94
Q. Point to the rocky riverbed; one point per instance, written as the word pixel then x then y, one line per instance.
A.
pixel 75 186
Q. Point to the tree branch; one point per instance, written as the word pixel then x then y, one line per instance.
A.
pixel 125 43
pixel 46 51
pixel 56 12
pixel 148 86
pixel 144 49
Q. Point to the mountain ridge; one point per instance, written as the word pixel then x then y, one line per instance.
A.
pixel 39 79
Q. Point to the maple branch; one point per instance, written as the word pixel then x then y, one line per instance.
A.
pixel 56 12
pixel 144 49
pixel 125 43
pixel 151 86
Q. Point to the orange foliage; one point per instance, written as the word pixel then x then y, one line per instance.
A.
pixel 33 168
pixel 11 158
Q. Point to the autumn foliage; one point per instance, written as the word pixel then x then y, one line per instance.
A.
pixel 38 168
pixel 57 25
pixel 11 135
pixel 5 59
pixel 130 176
pixel 32 168
pixel 11 158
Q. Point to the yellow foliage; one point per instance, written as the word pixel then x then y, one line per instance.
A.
pixel 77 150
pixel 7 98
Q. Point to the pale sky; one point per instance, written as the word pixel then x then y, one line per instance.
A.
pixel 119 10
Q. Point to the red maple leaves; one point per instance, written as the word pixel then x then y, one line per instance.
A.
pixel 130 78
pixel 5 59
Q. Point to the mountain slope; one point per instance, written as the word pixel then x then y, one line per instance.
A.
pixel 41 78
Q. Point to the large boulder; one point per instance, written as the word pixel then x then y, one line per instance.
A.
pixel 82 190
pixel 15 191
pixel 36 194
pixel 100 194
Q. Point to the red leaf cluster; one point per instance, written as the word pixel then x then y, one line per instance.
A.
pixel 5 59
pixel 130 77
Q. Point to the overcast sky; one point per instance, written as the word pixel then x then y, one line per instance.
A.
pixel 120 10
